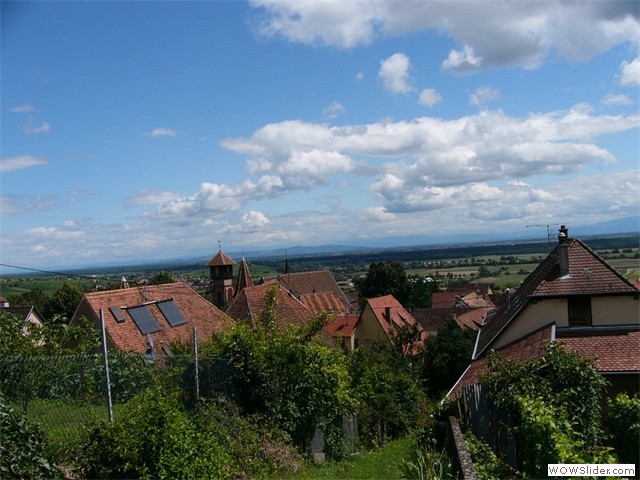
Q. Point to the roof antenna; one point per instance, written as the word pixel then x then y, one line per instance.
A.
pixel 548 232
pixel 219 246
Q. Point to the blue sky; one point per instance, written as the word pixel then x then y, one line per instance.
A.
pixel 153 130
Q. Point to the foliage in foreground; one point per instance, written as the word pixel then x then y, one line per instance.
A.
pixel 624 424
pixel 426 464
pixel 154 437
pixel 22 447
pixel 554 405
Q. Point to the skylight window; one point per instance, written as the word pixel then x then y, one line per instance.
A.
pixel 144 320
pixel 172 313
pixel 117 314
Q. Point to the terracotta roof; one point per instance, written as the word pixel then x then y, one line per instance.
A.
pixel 244 277
pixel 443 299
pixel 125 335
pixel 589 274
pixel 472 319
pixel 323 302
pixel 400 317
pixel 466 288
pixel 250 303
pixel 615 349
pixel 525 349
pixel 320 281
pixel 342 326
pixel 220 259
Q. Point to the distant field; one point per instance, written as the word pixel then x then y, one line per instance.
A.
pixel 504 265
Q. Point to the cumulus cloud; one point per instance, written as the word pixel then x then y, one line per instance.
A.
pixel 161 132
pixel 483 95
pixel 630 73
pixel 395 73
pixel 254 220
pixel 429 97
pixel 11 164
pixel 489 34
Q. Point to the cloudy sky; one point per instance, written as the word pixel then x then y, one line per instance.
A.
pixel 153 130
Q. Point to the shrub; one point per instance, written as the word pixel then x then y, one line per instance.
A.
pixel 22 447
pixel 426 464
pixel 624 425
pixel 486 463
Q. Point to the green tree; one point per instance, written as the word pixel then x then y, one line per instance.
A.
pixel 161 278
pixel 386 278
pixel 445 356
pixel 421 291
pixel 34 297
pixel 62 304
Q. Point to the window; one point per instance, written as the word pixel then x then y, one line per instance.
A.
pixel 172 313
pixel 117 314
pixel 579 311
pixel 144 320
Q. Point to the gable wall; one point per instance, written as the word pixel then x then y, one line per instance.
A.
pixel 610 310
pixel 369 330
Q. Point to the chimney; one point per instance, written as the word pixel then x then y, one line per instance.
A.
pixel 563 236
pixel 387 312
pixel 563 251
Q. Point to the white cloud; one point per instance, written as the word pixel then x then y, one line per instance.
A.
pixel 24 204
pixel 394 73
pixel 23 109
pixel 31 129
pixel 334 110
pixel 429 97
pixel 484 95
pixel 360 76
pixel 255 220
pixel 23 161
pixel 161 132
pixel 489 34
pixel 462 61
pixel 630 73
pixel 616 100
pixel 150 197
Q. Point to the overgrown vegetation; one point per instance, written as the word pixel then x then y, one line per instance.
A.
pixel 553 403
pixel 23 449
pixel 623 421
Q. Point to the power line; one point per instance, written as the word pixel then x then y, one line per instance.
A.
pixel 64 274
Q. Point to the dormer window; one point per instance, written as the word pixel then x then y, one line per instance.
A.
pixel 579 311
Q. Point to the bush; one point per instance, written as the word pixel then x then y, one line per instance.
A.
pixel 153 437
pixel 624 426
pixel 485 462
pixel 22 447
pixel 426 464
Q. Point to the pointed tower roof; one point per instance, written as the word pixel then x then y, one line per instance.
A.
pixel 244 277
pixel 220 259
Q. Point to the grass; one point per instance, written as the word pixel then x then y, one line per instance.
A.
pixel 381 464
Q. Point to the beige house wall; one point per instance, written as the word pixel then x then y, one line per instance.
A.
pixel 610 310
pixel 369 330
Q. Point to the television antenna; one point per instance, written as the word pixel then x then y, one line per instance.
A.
pixel 548 225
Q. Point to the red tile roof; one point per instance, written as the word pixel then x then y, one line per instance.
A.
pixel 125 335
pixel 219 259
pixel 615 349
pixel 525 349
pixel 400 318
pixel 250 303
pixel 342 326
pixel 589 274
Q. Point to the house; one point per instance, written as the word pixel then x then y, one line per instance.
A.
pixel 384 318
pixel 341 330
pixel 300 297
pixel 29 314
pixel 150 318
pixel 573 297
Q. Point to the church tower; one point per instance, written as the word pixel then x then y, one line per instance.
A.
pixel 221 274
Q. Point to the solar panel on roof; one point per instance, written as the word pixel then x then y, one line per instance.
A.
pixel 172 313
pixel 144 320
pixel 117 314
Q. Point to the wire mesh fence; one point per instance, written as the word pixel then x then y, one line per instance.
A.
pixel 67 392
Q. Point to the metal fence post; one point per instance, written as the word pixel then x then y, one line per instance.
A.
pixel 195 357
pixel 106 365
